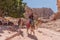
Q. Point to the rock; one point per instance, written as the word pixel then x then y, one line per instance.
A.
pixel 39 12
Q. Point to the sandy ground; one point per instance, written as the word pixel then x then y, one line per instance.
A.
pixel 40 34
pixel 47 31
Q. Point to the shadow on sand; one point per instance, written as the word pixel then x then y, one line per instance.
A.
pixel 17 34
pixel 2 28
pixel 20 32
pixel 12 29
pixel 32 37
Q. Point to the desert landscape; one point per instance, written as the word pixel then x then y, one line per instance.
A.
pixel 46 31
pixel 46 21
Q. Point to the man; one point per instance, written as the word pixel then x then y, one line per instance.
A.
pixel 32 22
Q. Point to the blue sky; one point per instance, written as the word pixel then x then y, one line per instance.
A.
pixel 42 3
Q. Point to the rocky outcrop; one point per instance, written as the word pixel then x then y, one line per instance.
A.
pixel 40 12
pixel 55 16
pixel 53 25
pixel 43 12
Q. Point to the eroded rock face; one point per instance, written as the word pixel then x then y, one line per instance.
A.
pixel 55 16
pixel 58 5
pixel 39 12
pixel 54 25
pixel 43 12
